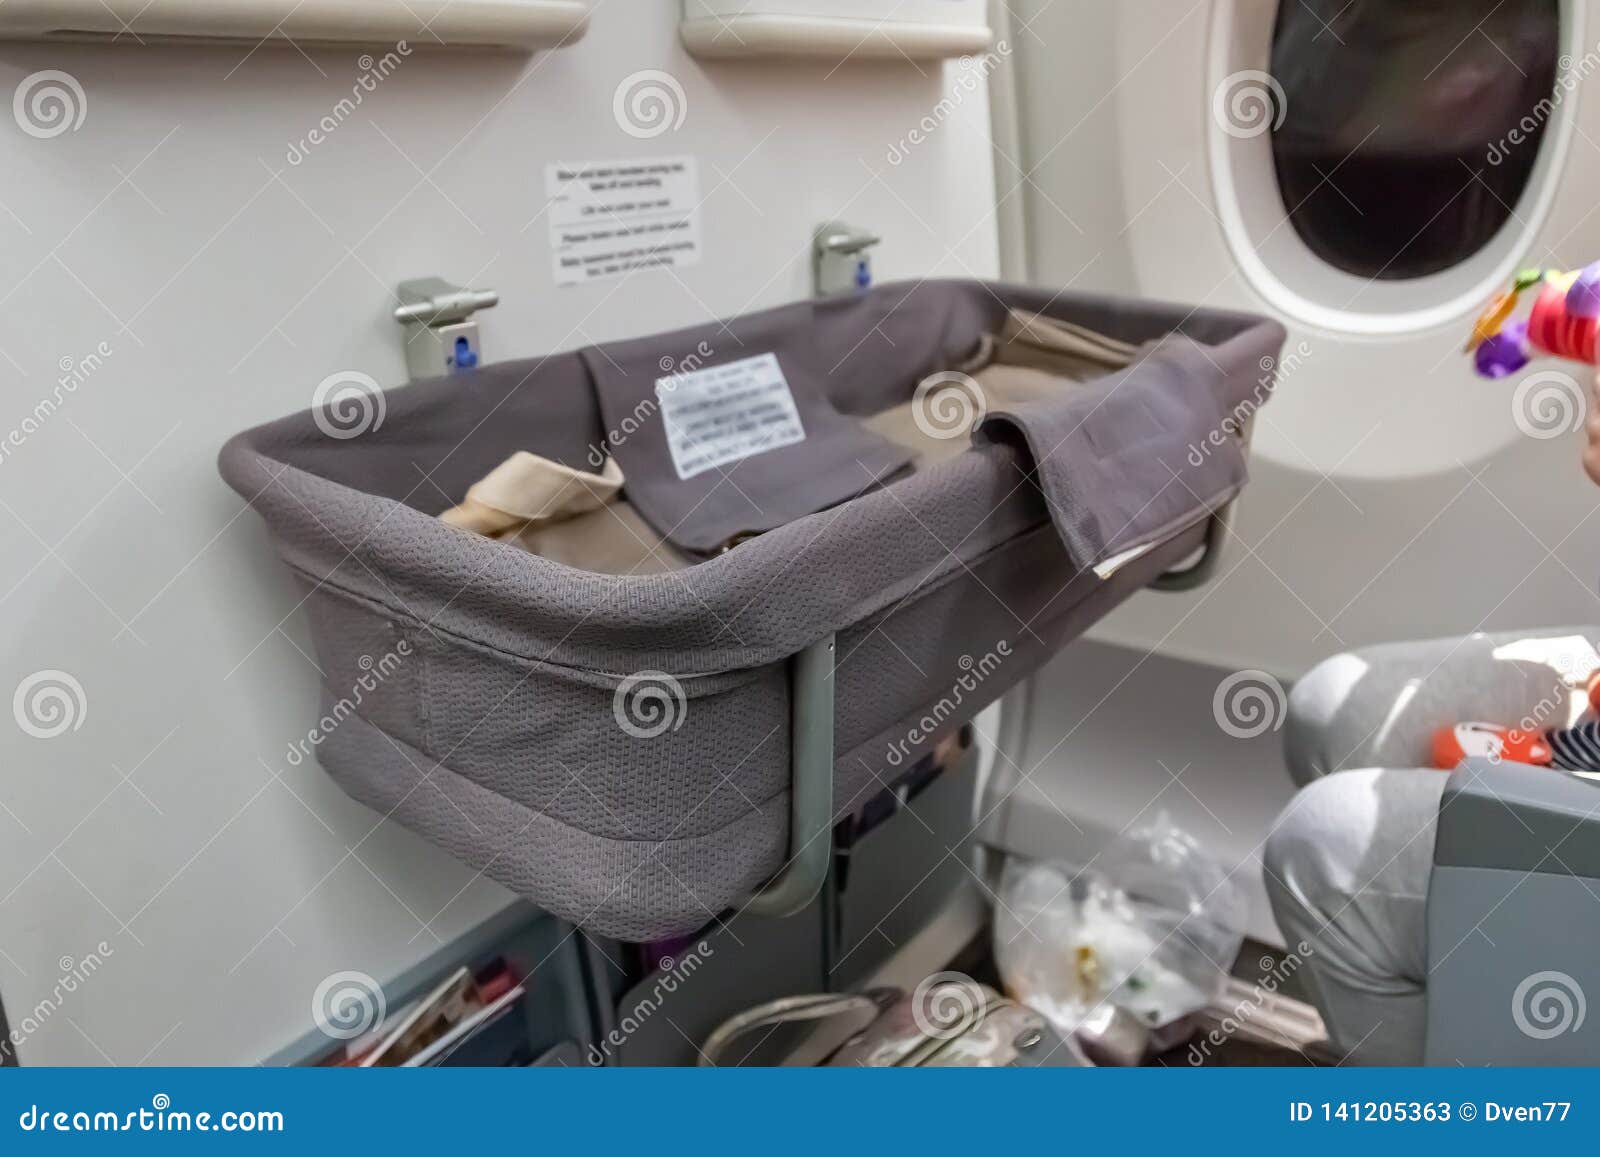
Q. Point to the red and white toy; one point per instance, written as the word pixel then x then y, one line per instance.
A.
pixel 1489 741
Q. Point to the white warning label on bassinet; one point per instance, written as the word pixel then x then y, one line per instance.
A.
pixel 726 413
pixel 609 218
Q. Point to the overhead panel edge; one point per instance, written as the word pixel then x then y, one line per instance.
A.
pixel 523 24
pixel 835 29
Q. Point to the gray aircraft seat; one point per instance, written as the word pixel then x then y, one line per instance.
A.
pixel 1513 900
pixel 1514 918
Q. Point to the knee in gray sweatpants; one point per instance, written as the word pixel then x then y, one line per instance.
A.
pixel 1347 868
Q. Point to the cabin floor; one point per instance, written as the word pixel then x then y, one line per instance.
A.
pixel 1246 1026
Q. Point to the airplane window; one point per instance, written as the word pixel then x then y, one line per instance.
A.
pixel 1408 129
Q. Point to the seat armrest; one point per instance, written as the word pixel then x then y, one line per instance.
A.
pixel 1521 818
pixel 1512 944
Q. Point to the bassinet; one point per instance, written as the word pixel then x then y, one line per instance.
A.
pixel 619 747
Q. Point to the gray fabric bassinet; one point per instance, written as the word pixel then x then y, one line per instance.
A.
pixel 617 747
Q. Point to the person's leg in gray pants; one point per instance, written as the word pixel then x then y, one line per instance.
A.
pixel 1348 861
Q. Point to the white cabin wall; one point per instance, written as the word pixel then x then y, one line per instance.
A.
pixel 1392 493
pixel 227 283
pixel 1066 170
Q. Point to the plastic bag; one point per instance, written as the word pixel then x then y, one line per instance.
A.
pixel 1152 924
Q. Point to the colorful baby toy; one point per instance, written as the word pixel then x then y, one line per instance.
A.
pixel 1562 322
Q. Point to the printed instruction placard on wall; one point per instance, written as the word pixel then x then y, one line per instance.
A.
pixel 609 218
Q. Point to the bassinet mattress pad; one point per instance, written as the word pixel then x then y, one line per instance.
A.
pixel 616 747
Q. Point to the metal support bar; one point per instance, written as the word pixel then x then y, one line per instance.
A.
pixel 811 789
pixel 1199 572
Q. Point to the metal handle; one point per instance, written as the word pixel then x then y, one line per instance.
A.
pixel 434 301
pixel 845 239
pixel 784 1010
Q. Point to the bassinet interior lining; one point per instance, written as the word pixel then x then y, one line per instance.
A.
pixel 1031 358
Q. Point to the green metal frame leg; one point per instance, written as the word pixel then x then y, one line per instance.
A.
pixel 811 792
